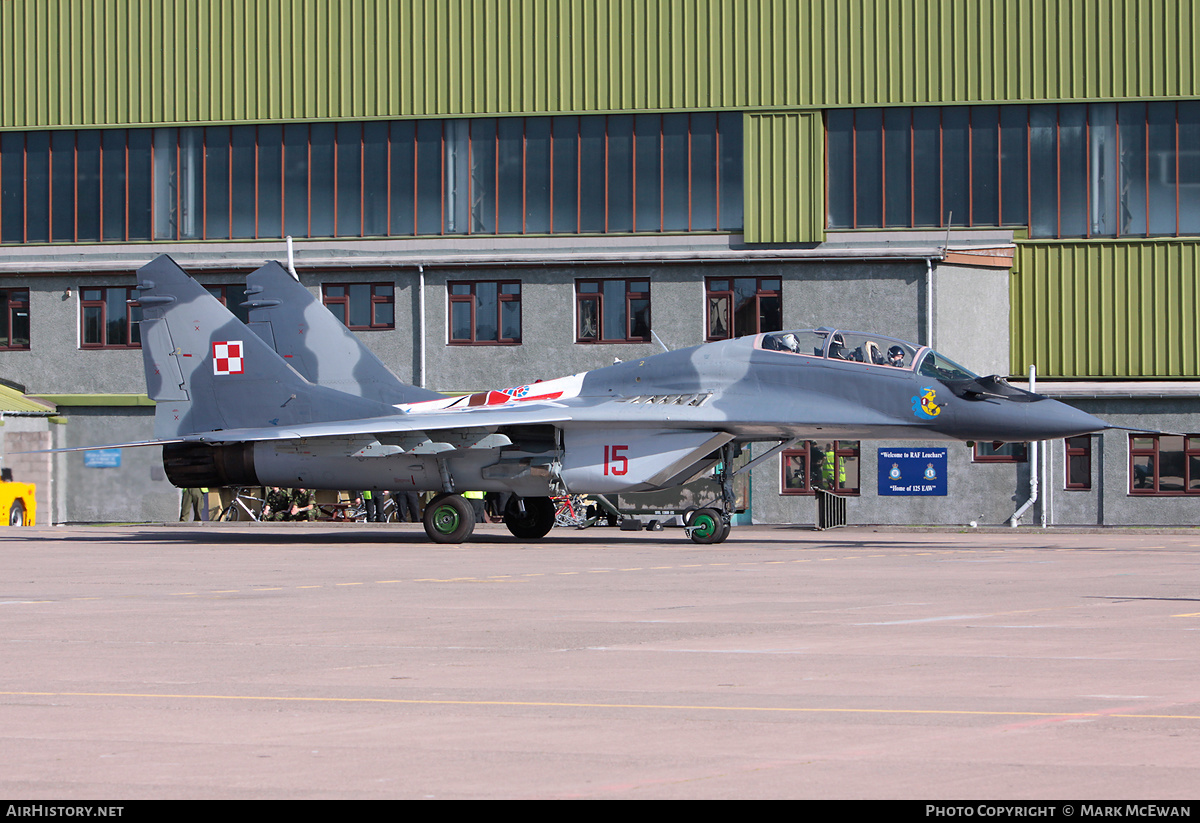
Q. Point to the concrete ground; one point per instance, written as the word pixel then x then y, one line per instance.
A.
pixel 347 661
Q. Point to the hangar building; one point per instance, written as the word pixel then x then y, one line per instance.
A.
pixel 492 192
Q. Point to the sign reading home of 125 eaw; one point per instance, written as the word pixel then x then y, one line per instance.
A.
pixel 912 471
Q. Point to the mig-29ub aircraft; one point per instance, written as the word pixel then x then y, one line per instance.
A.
pixel 231 411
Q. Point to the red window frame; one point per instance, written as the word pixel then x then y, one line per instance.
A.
pixel 12 302
pixel 713 296
pixel 1185 460
pixel 133 316
pixel 469 288
pixel 1077 464
pixel 381 294
pixel 597 299
pixel 1004 453
pixel 799 460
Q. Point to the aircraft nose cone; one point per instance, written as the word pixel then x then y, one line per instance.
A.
pixel 1013 421
pixel 1061 420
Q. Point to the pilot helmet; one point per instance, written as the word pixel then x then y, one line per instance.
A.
pixel 895 355
pixel 789 341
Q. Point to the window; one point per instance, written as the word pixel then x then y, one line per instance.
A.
pixel 614 173
pixel 1079 463
pixel 362 305
pixel 612 311
pixel 1001 453
pixel 14 318
pixel 832 465
pixel 485 312
pixel 110 318
pixel 742 305
pixel 1164 464
pixel 232 298
pixel 1060 170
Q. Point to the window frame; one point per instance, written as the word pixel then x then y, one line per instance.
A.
pixel 1190 451
pixel 133 318
pixel 1101 169
pixel 999 456
pixel 712 295
pixel 615 173
pixel 470 299
pixel 597 297
pixel 10 304
pixel 376 300
pixel 1081 449
pixel 843 450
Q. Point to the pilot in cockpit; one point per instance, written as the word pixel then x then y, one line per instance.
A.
pixel 895 357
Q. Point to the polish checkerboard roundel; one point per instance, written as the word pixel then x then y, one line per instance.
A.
pixel 227 356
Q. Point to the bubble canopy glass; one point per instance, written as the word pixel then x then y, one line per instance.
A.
pixel 866 348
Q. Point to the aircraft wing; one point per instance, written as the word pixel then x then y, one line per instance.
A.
pixel 518 414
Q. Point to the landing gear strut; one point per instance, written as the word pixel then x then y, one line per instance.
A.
pixel 449 518
pixel 529 518
pixel 711 525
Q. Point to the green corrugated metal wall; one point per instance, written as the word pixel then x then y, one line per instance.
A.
pixel 1080 309
pixel 784 178
pixel 1107 309
pixel 75 63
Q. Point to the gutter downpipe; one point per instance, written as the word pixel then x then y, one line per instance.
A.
pixel 421 324
pixel 1034 466
pixel 929 302
pixel 291 260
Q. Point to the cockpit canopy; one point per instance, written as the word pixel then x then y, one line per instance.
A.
pixel 870 349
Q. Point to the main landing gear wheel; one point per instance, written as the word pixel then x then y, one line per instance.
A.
pixel 707 526
pixel 449 518
pixel 535 523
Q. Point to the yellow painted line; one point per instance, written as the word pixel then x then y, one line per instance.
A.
pixel 347 584
pixel 274 589
pixel 1192 614
pixel 308 587
pixel 225 591
pixel 389 581
pixel 566 705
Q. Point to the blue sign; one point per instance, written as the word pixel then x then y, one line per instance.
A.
pixel 102 459
pixel 912 471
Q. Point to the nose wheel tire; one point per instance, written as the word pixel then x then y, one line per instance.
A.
pixel 449 518
pixel 707 526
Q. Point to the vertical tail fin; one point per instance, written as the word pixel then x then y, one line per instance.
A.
pixel 207 371
pixel 314 343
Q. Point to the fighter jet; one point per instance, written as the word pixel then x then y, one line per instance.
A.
pixel 238 409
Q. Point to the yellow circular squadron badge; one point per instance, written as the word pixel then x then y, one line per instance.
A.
pixel 924 405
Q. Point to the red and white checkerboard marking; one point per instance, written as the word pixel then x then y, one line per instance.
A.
pixel 227 356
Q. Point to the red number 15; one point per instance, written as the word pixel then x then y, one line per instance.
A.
pixel 615 461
